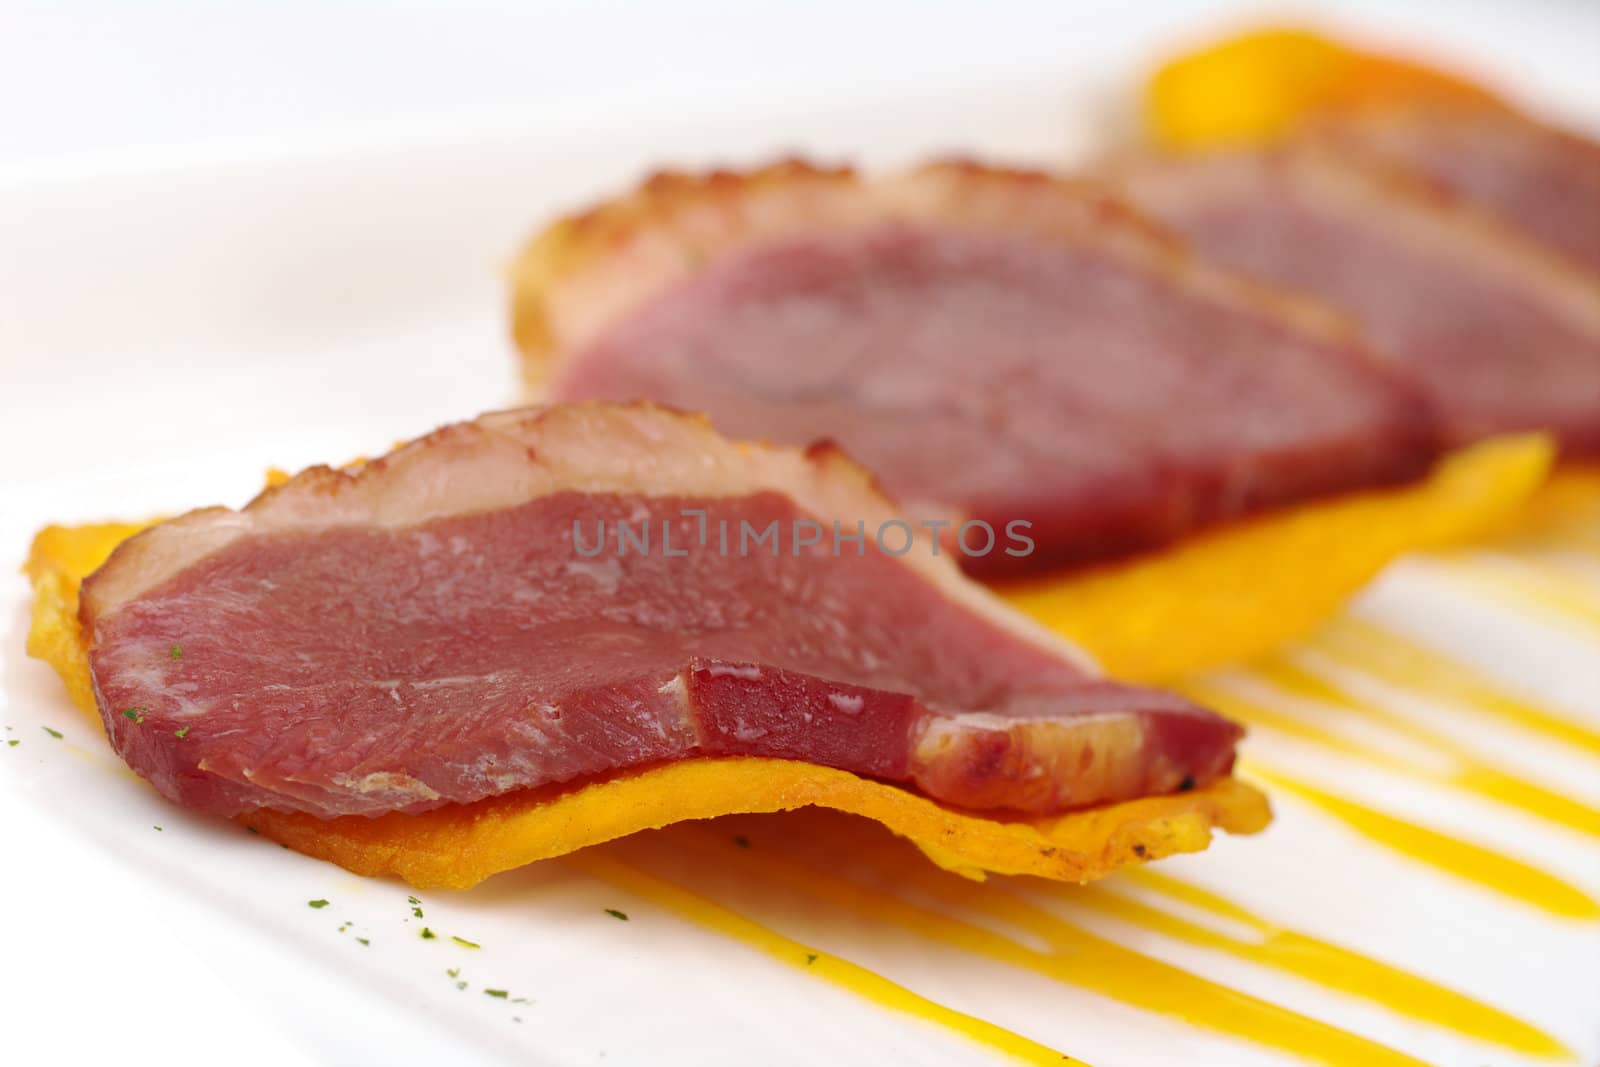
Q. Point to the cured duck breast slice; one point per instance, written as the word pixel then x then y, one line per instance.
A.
pixel 1497 332
pixel 1542 181
pixel 994 345
pixel 555 594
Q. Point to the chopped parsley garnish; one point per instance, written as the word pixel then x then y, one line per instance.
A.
pixel 461 985
pixel 177 653
pixel 135 714
pixel 742 841
pixel 811 957
pixel 57 734
pixel 181 733
pixel 158 828
pixel 464 943
pixel 363 940
pixel 416 912
pixel 344 926
pixel 316 903
pixel 454 972
pixel 412 900
pixel 427 934
pixel 13 742
pixel 615 914
pixel 501 993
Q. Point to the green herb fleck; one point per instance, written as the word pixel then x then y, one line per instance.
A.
pixel 416 913
pixel 412 900
pixel 181 733
pixel 135 714
pixel 501 993
pixel 615 914
pixel 363 940
pixel 13 742
pixel 461 985
pixel 464 943
pixel 811 957
pixel 177 653
pixel 454 972
pixel 158 827
pixel 57 734
pixel 316 903
pixel 427 934
pixel 344 926
pixel 742 841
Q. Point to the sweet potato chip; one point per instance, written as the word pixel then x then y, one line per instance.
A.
pixel 1237 592
pixel 1565 510
pixel 1257 86
pixel 460 846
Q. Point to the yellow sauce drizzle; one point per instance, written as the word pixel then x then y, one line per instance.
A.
pixel 1504 581
pixel 1561 566
pixel 1481 866
pixel 1315 960
pixel 840 972
pixel 1470 773
pixel 1072 955
pixel 1386 655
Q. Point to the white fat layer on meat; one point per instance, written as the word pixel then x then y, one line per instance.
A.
pixel 384 782
pixel 490 677
pixel 845 703
pixel 607 574
pixel 147 666
pixel 743 731
pixel 728 670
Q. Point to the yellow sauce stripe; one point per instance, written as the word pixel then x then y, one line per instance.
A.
pixel 1073 956
pixel 1316 960
pixel 1482 867
pixel 1471 774
pixel 1579 571
pixel 840 972
pixel 1386 655
pixel 1524 589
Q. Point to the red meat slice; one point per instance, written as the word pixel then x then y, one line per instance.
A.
pixel 1542 181
pixel 1500 335
pixel 993 345
pixel 446 624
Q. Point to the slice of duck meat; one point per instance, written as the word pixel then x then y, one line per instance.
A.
pixel 1542 181
pixel 1501 335
pixel 997 346
pixel 550 595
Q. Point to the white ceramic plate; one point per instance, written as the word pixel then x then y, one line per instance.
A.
pixel 171 331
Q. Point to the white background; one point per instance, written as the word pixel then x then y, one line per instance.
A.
pixel 98 963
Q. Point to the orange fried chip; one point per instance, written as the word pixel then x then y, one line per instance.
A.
pixel 1259 85
pixel 1237 592
pixel 1565 510
pixel 459 846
